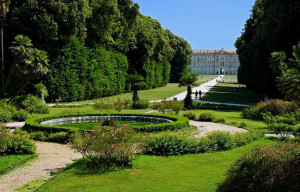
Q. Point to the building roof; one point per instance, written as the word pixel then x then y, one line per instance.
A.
pixel 215 51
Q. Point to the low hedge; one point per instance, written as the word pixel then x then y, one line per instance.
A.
pixel 201 105
pixel 33 125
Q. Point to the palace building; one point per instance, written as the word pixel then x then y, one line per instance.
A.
pixel 215 62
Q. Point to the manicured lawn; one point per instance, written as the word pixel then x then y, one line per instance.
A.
pixel 9 160
pixel 226 92
pixel 233 118
pixel 204 78
pixel 200 172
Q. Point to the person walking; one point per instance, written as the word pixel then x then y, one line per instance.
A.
pixel 196 94
pixel 200 94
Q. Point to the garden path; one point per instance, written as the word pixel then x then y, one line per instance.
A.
pixel 206 127
pixel 51 156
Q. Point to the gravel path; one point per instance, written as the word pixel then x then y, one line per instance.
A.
pixel 51 156
pixel 206 127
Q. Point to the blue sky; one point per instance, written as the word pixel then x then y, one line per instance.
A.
pixel 205 24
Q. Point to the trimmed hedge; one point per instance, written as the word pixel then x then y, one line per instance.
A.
pixel 33 125
pixel 201 105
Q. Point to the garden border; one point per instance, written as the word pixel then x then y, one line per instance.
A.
pixel 33 124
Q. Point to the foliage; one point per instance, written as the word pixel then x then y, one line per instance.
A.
pixel 188 81
pixel 59 137
pixel 275 107
pixel 220 120
pixel 285 125
pixel 94 46
pixel 4 139
pixel 206 116
pixel 21 115
pixel 39 135
pixel 20 144
pixel 266 168
pixel 167 144
pixel 31 104
pixel 119 105
pixel 160 106
pixel 105 105
pixel 288 73
pixel 259 40
pixel 106 146
pixel 140 104
pixel 5 116
pixel 190 115
pixel 242 124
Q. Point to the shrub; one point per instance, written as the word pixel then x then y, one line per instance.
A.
pixel 108 122
pixel 220 141
pixel 31 104
pixel 220 120
pixel 5 116
pixel 39 135
pixel 20 144
pixel 176 106
pixel 103 105
pixel 190 115
pixel 275 107
pixel 242 124
pixel 233 122
pixel 20 115
pixel 106 147
pixel 208 106
pixel 206 116
pixel 167 144
pixel 119 105
pixel 160 106
pixel 59 137
pixel 140 104
pixel 3 138
pixel 266 168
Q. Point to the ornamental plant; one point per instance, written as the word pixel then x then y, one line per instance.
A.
pixel 3 138
pixel 119 105
pixel 106 147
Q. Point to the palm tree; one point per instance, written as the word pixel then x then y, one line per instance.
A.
pixel 289 82
pixel 21 48
pixel 188 81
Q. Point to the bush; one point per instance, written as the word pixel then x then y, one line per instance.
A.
pixel 20 144
pixel 60 137
pixel 106 147
pixel 3 138
pixel 176 106
pixel 31 104
pixel 208 106
pixel 39 135
pixel 206 116
pixel 220 120
pixel 266 168
pixel 140 104
pixel 220 141
pixel 160 106
pixel 275 107
pixel 103 105
pixel 167 144
pixel 5 116
pixel 119 105
pixel 190 115
pixel 283 125
pixel 242 124
pixel 20 115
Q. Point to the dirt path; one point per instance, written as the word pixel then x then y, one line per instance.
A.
pixel 205 127
pixel 51 156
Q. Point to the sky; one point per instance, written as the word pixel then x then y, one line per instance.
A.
pixel 205 24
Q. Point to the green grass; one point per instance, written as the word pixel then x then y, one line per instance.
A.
pixel 200 172
pixel 225 92
pixel 10 160
pixel 233 118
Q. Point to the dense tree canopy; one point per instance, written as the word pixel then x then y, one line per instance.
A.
pixel 272 26
pixel 94 46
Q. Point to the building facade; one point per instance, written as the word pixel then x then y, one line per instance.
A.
pixel 215 62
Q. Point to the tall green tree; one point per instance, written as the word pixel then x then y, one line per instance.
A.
pixel 272 26
pixel 188 81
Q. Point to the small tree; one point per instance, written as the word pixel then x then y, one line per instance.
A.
pixel 188 81
pixel 137 82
